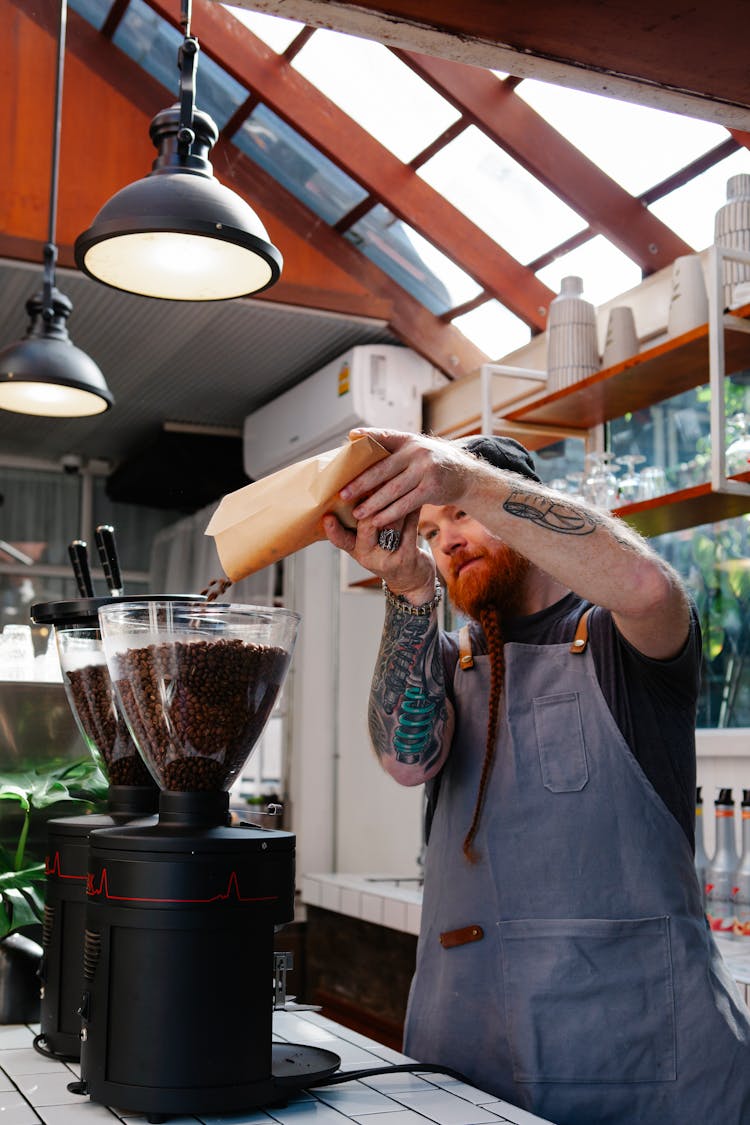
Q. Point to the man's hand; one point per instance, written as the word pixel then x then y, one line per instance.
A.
pixel 421 470
pixel 409 570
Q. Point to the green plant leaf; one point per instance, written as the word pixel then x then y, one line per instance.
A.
pixel 10 792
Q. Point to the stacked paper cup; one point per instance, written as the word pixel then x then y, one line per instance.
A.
pixel 732 230
pixel 572 348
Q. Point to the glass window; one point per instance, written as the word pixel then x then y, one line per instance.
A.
pixel 495 192
pixel 377 90
pixel 636 145
pixel 605 270
pixel 493 328
pixel 153 44
pixel 690 210
pixel 410 260
pixel 95 11
pixel 714 560
pixel 275 32
pixel 298 165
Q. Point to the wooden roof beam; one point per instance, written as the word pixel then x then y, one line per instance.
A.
pixel 494 107
pixel 371 164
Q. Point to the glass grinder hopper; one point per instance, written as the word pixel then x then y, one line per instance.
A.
pixel 180 918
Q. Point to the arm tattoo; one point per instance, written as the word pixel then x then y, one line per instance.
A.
pixel 407 710
pixel 555 515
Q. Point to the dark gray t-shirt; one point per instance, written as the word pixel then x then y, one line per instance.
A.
pixel 653 702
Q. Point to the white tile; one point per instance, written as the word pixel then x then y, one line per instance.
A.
pixel 330 898
pixel 311 891
pixel 394 1084
pixel 413 918
pixel 26 1060
pixel 15 1035
pixel 515 1115
pixel 371 909
pixel 293 1028
pixel 353 1057
pixel 15 1110
pixel 396 1117
pixel 354 1097
pixel 140 1119
pixel 251 1117
pixel 394 914
pixel 306 1113
pixel 445 1108
pixel 49 1089
pixel 87 1113
pixel 351 902
pixel 460 1089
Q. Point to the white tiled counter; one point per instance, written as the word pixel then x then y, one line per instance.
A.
pixel 380 899
pixel 33 1089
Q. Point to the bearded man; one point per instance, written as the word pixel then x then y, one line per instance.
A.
pixel 564 963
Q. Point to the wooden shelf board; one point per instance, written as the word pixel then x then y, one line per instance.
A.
pixel 653 375
pixel 690 507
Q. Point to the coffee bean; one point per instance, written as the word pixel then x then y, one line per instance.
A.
pixel 198 708
pixel 92 699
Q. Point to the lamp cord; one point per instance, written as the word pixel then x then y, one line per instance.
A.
pixel 50 249
pixel 187 64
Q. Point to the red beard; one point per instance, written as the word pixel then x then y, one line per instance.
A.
pixel 496 580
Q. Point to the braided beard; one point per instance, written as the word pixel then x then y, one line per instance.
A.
pixel 488 591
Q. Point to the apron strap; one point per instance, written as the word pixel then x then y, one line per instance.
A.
pixel 581 638
pixel 465 657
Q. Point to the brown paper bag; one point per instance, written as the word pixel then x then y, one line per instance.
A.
pixel 280 514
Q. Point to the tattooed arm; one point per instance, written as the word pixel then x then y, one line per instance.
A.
pixel 574 545
pixel 410 719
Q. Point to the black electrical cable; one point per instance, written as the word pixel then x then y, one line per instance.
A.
pixel 396 1068
pixel 38 1044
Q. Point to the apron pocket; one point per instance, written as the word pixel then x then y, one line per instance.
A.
pixel 589 1000
pixel 559 736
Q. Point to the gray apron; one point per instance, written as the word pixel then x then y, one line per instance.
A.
pixel 570 971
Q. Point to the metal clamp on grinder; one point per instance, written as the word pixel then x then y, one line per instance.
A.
pixel 181 913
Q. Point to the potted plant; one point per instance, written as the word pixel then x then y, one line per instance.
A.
pixel 22 875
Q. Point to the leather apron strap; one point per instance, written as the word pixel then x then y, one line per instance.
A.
pixel 581 638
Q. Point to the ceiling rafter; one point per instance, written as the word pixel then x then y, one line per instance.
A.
pixel 395 184
pixel 445 347
pixel 494 107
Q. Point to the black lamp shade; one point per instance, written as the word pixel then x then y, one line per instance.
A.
pixel 179 235
pixel 45 374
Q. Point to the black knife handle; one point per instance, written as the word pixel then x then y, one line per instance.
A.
pixel 105 541
pixel 79 557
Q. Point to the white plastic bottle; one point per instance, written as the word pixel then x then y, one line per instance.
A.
pixel 742 877
pixel 722 868
pixel 701 859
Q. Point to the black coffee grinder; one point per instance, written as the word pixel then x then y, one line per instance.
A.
pixel 179 984
pixel 132 795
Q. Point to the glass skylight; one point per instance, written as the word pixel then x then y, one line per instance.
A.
pixel 298 165
pixel 635 145
pixel 95 11
pixel 605 270
pixel 378 91
pixel 494 329
pixel 501 197
pixel 153 44
pixel 690 210
pixel 276 33
pixel 413 262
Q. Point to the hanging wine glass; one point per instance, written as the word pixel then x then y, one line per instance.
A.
pixel 738 453
pixel 576 483
pixel 629 486
pixel 600 486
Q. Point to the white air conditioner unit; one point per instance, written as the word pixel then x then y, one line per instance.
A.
pixel 378 385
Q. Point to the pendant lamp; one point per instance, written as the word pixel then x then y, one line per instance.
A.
pixel 44 373
pixel 178 233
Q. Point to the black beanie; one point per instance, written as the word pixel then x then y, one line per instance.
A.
pixel 503 453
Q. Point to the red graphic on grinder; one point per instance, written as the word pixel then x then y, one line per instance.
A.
pixel 232 889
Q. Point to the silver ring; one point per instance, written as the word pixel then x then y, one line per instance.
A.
pixel 389 539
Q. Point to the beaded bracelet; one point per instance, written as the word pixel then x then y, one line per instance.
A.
pixel 399 602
